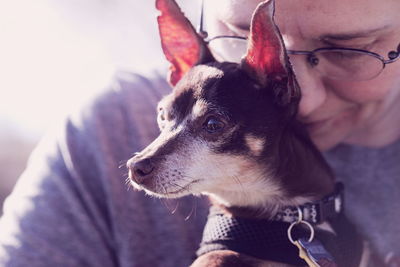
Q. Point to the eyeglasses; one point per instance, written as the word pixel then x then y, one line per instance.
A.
pixel 334 62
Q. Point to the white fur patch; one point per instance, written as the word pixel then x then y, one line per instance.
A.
pixel 255 144
pixel 199 109
pixel 208 71
pixel 233 180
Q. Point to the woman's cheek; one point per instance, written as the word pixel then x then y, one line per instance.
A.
pixel 362 92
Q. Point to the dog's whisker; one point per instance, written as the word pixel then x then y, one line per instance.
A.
pixel 176 207
pixel 128 184
pixel 177 185
pixel 164 200
pixel 166 204
pixel 193 210
pixel 237 180
pixel 122 164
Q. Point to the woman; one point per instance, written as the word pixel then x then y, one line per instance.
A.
pixel 350 98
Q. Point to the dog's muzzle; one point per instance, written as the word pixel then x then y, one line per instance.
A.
pixel 140 170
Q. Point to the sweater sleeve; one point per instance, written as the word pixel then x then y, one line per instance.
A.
pixel 47 221
pixel 69 206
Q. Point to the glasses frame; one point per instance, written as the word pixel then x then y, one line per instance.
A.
pixel 312 59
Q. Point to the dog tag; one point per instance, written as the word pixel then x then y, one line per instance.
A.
pixel 314 253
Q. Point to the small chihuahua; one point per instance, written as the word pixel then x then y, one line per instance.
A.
pixel 230 131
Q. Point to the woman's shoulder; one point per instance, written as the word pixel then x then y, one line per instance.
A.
pixel 135 92
pixel 125 107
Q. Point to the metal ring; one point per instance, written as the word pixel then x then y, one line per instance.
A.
pixel 300 212
pixel 289 231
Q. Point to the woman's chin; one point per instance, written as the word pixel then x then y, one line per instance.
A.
pixel 331 132
pixel 325 144
pixel 330 138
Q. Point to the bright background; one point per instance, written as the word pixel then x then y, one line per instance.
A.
pixel 56 53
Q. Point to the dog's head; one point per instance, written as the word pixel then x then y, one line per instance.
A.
pixel 222 121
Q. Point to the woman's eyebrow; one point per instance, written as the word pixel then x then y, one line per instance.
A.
pixel 351 35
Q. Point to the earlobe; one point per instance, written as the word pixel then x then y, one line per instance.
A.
pixel 181 45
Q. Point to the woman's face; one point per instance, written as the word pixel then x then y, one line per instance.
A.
pixel 364 113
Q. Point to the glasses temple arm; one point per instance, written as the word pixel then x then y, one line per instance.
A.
pixel 200 29
pixel 299 52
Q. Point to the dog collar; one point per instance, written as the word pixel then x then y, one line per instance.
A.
pixel 268 239
pixel 262 239
pixel 315 212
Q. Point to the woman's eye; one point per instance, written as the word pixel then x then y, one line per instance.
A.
pixel 213 125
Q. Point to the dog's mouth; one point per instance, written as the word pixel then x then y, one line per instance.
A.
pixel 169 190
pixel 183 189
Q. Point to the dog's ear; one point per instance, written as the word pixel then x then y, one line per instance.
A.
pixel 266 59
pixel 182 46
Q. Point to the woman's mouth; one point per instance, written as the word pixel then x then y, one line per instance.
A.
pixel 329 123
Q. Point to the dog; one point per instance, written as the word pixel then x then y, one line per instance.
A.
pixel 229 131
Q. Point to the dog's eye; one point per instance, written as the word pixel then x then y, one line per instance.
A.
pixel 213 124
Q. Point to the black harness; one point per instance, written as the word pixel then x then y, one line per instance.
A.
pixel 268 239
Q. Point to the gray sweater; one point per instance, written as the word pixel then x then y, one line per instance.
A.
pixel 72 207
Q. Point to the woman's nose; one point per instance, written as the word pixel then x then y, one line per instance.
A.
pixel 313 91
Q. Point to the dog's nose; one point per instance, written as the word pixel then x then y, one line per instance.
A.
pixel 140 169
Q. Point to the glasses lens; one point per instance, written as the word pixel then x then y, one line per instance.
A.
pixel 348 64
pixel 228 49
